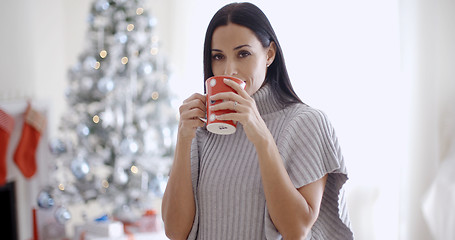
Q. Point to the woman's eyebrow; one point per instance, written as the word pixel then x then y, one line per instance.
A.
pixel 236 48
pixel 241 46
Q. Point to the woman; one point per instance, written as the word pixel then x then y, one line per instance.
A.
pixel 280 175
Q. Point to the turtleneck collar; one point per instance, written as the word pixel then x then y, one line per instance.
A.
pixel 266 101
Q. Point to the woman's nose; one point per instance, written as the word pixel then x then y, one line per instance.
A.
pixel 230 68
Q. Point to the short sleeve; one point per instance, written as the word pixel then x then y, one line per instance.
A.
pixel 309 149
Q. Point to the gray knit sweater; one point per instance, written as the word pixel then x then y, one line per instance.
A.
pixel 230 201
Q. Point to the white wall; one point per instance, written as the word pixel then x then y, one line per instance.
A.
pixel 40 41
pixel 379 69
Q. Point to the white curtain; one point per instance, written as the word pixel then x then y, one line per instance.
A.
pixel 428 60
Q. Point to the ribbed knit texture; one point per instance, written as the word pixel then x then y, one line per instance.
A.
pixel 230 200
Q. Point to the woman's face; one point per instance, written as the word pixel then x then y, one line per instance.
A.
pixel 237 52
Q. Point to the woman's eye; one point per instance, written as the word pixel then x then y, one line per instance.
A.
pixel 217 57
pixel 243 54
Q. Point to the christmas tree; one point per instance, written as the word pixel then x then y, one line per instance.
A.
pixel 117 137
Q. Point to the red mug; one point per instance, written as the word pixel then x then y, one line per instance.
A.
pixel 215 85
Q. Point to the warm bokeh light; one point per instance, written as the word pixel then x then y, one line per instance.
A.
pixel 155 95
pixel 105 183
pixel 103 53
pixel 154 51
pixel 96 119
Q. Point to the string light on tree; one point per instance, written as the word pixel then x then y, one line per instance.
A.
pixel 155 39
pixel 103 53
pixel 154 51
pixel 155 95
pixel 130 27
pixel 96 119
pixel 105 184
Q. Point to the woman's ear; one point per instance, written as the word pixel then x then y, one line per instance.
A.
pixel 271 52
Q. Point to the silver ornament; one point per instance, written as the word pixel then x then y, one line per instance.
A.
pixel 121 37
pixel 90 19
pixel 45 199
pixel 129 146
pixel 105 85
pixel 101 5
pixel 57 147
pixel 108 118
pixel 89 63
pixel 62 215
pixel 80 168
pixel 83 130
pixel 152 22
pixel 145 68
pixel 120 177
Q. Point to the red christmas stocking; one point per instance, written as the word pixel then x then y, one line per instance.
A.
pixel 24 157
pixel 6 127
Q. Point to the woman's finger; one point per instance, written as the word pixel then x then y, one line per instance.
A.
pixel 195 96
pixel 236 117
pixel 192 114
pixel 228 96
pixel 237 87
pixel 191 103
pixel 232 105
pixel 195 100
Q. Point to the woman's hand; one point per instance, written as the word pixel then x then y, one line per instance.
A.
pixel 246 111
pixel 191 110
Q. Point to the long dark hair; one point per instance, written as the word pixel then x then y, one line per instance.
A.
pixel 250 16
